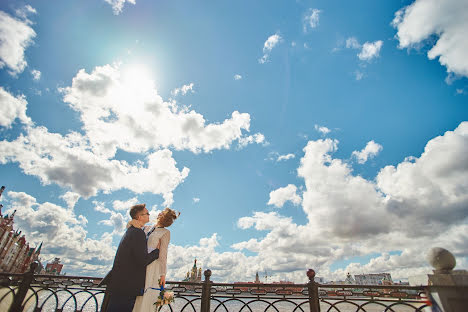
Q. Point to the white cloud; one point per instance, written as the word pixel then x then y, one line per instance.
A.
pixel 358 75
pixel 256 138
pixel 71 199
pixel 446 20
pixel 117 5
pixel 417 204
pixel 24 12
pixel 101 207
pixel 36 74
pixel 69 162
pixel 85 162
pixel 237 77
pixel 124 205
pixel 431 189
pixel 269 44
pixel 196 199
pixel 101 98
pixel 311 19
pixel 347 215
pixel 183 90
pixel 323 130
pixel 285 157
pixel 62 233
pixel 116 220
pixel 11 108
pixel 15 36
pixel 352 43
pixel 370 50
pixel 370 151
pixel 280 196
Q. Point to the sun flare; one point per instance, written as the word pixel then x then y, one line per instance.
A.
pixel 137 85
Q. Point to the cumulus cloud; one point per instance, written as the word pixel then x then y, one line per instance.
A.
pixel 322 129
pixel 71 199
pixel 370 50
pixel 447 21
pixel 280 196
pixel 85 162
pixel 69 162
pixel 431 188
pixel 417 204
pixel 15 36
pixel 116 220
pixel 124 205
pixel 36 74
pixel 370 151
pixel 102 99
pixel 256 138
pixel 420 203
pixel 352 43
pixel 117 5
pixel 237 77
pixel 311 19
pixel 269 44
pixel 63 233
pixel 285 157
pixel 12 108
pixel 183 90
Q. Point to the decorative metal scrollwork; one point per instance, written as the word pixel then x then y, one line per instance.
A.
pixel 75 293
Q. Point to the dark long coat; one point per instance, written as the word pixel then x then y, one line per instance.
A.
pixel 128 273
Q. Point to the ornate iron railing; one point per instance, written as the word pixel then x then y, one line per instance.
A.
pixel 29 292
pixel 35 293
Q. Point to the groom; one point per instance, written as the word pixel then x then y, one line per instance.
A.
pixel 126 280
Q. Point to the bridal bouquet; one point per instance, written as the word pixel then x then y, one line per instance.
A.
pixel 165 297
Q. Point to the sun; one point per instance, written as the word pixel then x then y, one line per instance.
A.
pixel 136 75
pixel 137 84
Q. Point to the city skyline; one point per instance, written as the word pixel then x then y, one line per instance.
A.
pixel 290 135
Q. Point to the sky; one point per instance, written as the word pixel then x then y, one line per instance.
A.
pixel 289 134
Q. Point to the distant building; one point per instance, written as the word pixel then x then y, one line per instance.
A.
pixel 194 275
pixel 349 280
pixel 373 279
pixel 54 267
pixel 15 253
pixel 265 289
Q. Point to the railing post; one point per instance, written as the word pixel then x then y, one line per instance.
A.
pixel 206 292
pixel 312 287
pixel 23 288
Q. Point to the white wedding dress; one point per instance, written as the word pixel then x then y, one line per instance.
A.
pixel 154 270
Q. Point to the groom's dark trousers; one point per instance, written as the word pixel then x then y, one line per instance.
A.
pixel 126 280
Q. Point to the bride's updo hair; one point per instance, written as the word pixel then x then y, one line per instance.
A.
pixel 167 217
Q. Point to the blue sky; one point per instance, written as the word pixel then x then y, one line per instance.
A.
pixel 290 135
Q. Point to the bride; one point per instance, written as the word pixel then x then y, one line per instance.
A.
pixel 158 237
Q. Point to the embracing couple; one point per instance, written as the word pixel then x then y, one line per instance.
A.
pixel 139 268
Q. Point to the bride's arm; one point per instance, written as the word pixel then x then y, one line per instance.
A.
pixel 163 256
